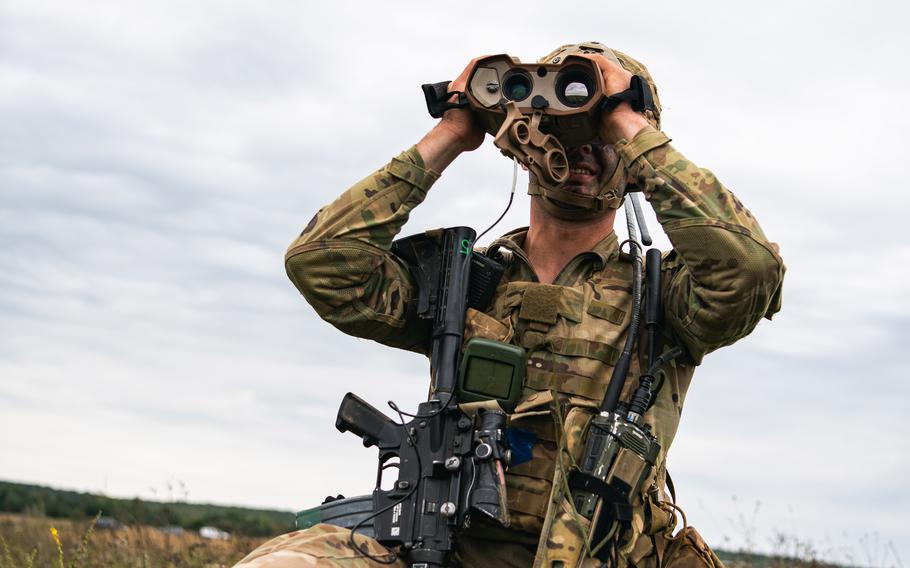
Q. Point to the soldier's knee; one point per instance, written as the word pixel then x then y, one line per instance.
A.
pixel 323 546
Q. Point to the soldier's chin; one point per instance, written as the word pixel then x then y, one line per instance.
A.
pixel 570 212
pixel 579 188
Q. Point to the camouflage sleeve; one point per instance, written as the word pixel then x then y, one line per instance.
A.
pixel 723 275
pixel 341 261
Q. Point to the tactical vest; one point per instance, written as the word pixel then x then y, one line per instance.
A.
pixel 573 336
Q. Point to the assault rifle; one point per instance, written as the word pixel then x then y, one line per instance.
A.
pixel 450 464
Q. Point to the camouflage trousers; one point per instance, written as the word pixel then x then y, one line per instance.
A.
pixel 327 546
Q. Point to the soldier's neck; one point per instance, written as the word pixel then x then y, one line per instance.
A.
pixel 552 242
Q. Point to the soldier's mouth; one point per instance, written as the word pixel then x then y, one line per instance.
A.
pixel 581 175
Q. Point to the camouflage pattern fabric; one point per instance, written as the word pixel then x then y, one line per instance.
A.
pixel 327 546
pixel 720 279
pixel 321 545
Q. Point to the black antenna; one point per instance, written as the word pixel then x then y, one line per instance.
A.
pixel 652 299
pixel 621 370
pixel 640 217
pixel 642 396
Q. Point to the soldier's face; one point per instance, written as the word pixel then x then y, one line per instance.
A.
pixel 590 166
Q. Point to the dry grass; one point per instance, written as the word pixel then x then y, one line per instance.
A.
pixel 29 542
pixel 785 549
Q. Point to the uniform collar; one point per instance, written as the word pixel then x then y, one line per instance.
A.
pixel 605 250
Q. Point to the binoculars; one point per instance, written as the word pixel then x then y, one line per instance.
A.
pixel 535 110
pixel 567 95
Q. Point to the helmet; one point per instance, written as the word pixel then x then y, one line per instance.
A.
pixel 570 205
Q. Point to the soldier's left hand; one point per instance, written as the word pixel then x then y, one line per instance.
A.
pixel 623 121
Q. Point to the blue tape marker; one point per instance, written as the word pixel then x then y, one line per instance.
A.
pixel 520 442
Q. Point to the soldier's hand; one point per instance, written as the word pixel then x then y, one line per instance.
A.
pixel 455 133
pixel 462 122
pixel 623 121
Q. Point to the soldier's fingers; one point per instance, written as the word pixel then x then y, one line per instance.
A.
pixel 615 78
pixel 460 83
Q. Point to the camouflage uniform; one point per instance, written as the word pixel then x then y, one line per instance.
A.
pixel 720 279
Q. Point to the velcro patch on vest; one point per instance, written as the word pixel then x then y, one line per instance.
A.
pixel 541 303
pixel 569 302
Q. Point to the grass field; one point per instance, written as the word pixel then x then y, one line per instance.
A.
pixel 28 541
pixel 45 527
pixel 38 542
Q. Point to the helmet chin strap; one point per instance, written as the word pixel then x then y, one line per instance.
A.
pixel 572 206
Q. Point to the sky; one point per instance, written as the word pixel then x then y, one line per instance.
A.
pixel 156 159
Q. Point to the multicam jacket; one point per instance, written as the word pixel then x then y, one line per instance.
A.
pixel 720 279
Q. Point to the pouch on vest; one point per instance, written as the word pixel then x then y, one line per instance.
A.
pixel 689 550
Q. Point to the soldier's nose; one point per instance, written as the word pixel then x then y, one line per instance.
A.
pixel 580 151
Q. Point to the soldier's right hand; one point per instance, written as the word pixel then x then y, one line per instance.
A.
pixel 461 122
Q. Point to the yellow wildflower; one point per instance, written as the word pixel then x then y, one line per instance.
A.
pixel 56 536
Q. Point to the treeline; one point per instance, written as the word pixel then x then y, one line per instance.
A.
pixel 38 500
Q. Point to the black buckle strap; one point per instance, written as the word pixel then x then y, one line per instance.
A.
pixel 638 95
pixel 615 507
pixel 437 96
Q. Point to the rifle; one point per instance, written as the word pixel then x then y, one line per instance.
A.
pixel 450 465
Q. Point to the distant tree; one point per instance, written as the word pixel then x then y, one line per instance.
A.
pixel 33 499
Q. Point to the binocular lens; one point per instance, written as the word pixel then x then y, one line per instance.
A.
pixel 516 87
pixel 576 93
pixel 574 87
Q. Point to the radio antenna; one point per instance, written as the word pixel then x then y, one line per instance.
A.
pixel 621 370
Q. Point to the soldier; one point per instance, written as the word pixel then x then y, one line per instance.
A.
pixel 565 298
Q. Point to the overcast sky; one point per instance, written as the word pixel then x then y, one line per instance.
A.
pixel 156 159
